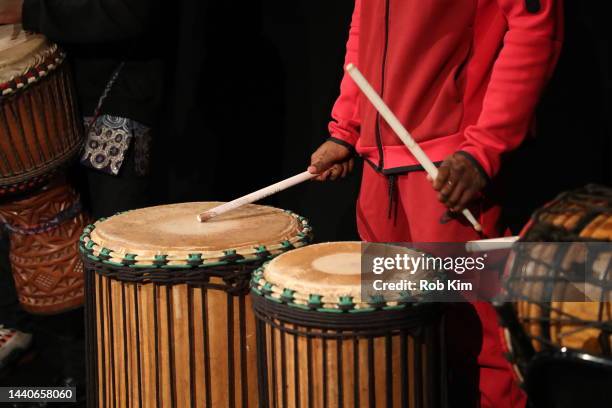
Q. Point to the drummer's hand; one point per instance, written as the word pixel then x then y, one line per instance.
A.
pixel 330 161
pixel 10 11
pixel 458 182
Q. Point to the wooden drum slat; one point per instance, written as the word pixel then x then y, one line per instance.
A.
pixel 191 336
pixel 147 357
pixel 181 347
pixel 39 128
pixel 323 368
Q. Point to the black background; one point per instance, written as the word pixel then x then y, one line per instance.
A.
pixel 266 78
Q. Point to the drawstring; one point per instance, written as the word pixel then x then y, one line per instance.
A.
pixel 392 192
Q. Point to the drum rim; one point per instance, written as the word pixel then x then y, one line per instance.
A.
pixel 93 252
pixel 569 354
pixel 283 294
pixel 346 323
pixel 277 294
pixel 34 74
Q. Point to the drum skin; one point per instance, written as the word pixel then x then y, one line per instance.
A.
pixel 44 232
pixel 542 324
pixel 39 126
pixel 169 319
pixel 327 355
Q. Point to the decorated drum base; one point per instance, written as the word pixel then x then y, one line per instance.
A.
pixel 44 230
pixel 352 353
pixel 169 319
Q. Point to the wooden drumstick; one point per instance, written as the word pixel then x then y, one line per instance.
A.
pixel 256 195
pixel 491 244
pixel 401 132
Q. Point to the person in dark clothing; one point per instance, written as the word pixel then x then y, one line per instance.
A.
pixel 114 48
pixel 118 72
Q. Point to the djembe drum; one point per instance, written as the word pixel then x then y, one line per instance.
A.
pixel 39 127
pixel 322 345
pixel 558 334
pixel 39 132
pixel 169 320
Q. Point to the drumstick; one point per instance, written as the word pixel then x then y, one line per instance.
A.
pixel 491 244
pixel 256 195
pixel 401 132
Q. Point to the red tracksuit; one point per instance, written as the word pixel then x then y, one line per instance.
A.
pixel 460 75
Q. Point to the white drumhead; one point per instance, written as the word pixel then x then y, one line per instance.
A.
pixel 20 51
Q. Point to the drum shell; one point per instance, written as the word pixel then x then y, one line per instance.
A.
pixel 542 322
pixel 40 129
pixel 44 230
pixel 173 293
pixel 325 359
pixel 179 344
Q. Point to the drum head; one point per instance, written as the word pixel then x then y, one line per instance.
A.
pixel 329 273
pixel 173 232
pixel 20 51
pixel 331 269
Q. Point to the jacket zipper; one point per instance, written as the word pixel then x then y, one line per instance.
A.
pixel 381 160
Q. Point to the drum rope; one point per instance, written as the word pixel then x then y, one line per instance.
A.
pixel 235 277
pixel 346 324
pixel 579 217
pixel 67 213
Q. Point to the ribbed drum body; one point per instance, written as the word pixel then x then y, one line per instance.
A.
pixel 39 126
pixel 174 345
pixel 384 358
pixel 322 345
pixel 174 327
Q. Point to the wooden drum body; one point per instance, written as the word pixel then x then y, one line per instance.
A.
pixel 44 230
pixel 321 346
pixel 39 126
pixel 169 320
pixel 560 275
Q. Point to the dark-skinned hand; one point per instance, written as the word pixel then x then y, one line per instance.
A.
pixel 10 11
pixel 459 181
pixel 331 161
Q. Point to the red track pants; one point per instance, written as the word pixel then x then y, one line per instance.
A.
pixel 479 374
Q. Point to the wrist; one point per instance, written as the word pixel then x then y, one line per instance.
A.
pixel 476 164
pixel 344 144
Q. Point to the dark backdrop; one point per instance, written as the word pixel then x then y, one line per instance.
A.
pixel 266 74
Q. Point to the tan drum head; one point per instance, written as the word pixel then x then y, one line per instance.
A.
pixel 20 51
pixel 330 270
pixel 174 231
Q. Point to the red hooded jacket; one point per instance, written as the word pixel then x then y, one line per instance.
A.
pixel 461 75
